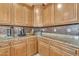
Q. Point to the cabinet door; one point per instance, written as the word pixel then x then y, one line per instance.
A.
pixel 51 51
pixel 43 48
pixel 19 50
pixel 5 14
pixel 38 15
pixel 30 18
pixel 70 13
pixel 47 16
pixel 30 46
pixel 65 13
pixel 5 51
pixel 52 15
pixel 77 12
pixel 36 45
pixel 59 14
pixel 26 16
pixel 19 15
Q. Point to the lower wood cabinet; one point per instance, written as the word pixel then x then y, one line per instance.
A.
pixel 54 51
pixel 4 48
pixel 5 51
pixel 59 48
pixel 18 48
pixel 31 46
pixel 43 48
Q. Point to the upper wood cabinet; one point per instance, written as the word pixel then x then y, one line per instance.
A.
pixel 5 14
pixel 19 15
pixel 38 15
pixel 70 13
pixel 77 12
pixel 65 13
pixel 48 15
pixel 22 15
pixel 29 21
pixel 27 16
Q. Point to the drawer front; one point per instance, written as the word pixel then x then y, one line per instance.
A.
pixel 44 40
pixel 58 52
pixel 64 47
pixel 5 51
pixel 15 42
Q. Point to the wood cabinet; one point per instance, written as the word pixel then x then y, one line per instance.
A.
pixel 30 20
pixel 22 15
pixel 28 16
pixel 5 14
pixel 38 15
pixel 65 14
pixel 18 48
pixel 59 48
pixel 19 15
pixel 43 47
pixel 48 15
pixel 54 51
pixel 5 51
pixel 77 12
pixel 31 46
pixel 4 48
pixel 70 13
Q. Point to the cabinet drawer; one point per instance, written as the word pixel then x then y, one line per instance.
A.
pixel 59 52
pixel 44 40
pixel 65 47
pixel 4 44
pixel 17 42
pixel 5 51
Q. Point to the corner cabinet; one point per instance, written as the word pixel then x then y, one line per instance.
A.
pixel 65 14
pixel 5 14
pixel 31 46
pixel 43 47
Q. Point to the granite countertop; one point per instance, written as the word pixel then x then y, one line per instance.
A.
pixel 16 37
pixel 71 39
pixel 6 38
